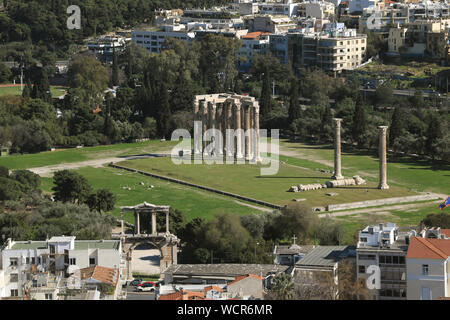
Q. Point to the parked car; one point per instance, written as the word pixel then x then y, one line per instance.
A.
pixel 146 286
pixel 135 282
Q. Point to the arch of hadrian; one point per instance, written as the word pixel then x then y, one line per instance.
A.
pixel 225 111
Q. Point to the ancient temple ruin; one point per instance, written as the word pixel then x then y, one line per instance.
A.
pixel 236 117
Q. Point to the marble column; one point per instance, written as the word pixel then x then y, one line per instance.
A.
pixel 213 125
pixel 197 117
pixel 230 125
pixel 256 153
pixel 138 223
pixel 204 113
pixel 337 150
pixel 121 223
pixel 153 222
pixel 383 159
pixel 246 128
pixel 237 109
pixel 167 222
pixel 219 115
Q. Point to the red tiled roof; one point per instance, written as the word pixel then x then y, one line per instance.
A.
pixel 253 35
pixel 101 274
pixel 426 248
pixel 239 278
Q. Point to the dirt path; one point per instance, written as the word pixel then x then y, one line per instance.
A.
pixel 47 171
pixel 380 210
pixel 254 207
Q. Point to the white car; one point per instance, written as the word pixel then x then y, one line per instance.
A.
pixel 146 287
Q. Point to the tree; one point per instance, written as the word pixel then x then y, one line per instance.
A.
pixel 417 100
pixel 434 133
pixel 163 113
pixel 396 129
pixel 26 93
pixel 282 287
pixel 30 180
pixel 296 219
pixel 10 189
pixel 70 187
pixel 115 70
pixel 441 220
pixel 349 286
pixel 5 73
pixel 4 172
pixel 265 100
pixel 294 106
pixel 102 201
pixel 359 124
pixel 88 74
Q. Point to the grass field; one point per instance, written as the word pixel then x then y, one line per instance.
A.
pixel 414 175
pixel 56 91
pixel 192 202
pixel 89 153
pixel 246 180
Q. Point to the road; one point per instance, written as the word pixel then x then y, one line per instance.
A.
pixel 133 295
pixel 409 92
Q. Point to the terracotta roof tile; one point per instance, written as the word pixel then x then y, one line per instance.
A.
pixel 183 295
pixel 426 248
pixel 446 232
pixel 239 278
pixel 101 274
pixel 215 288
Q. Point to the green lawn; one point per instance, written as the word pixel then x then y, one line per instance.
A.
pixel 245 179
pixel 192 202
pixel 403 172
pixel 25 161
pixel 55 90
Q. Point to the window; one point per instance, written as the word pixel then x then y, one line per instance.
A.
pixel 388 259
pixel 382 259
pixel 13 261
pixel 91 261
pixel 72 261
pixel 27 260
pixel 38 260
pixel 401 260
pixel 48 296
pixel 395 259
pixel 14 277
pixel 424 269
pixel 14 293
pixel 33 260
pixel 362 269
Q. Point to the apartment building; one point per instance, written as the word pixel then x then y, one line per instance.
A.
pixel 420 38
pixel 105 47
pixel 153 39
pixel 355 6
pixel 269 23
pixel 252 43
pixel 333 50
pixel 316 9
pixel 219 19
pixel 428 266
pixel 286 7
pixel 384 246
pixel 21 259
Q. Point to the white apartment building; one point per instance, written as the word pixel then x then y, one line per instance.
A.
pixel 270 23
pixel 154 39
pixel 385 247
pixel 286 7
pixel 19 259
pixel 428 266
pixel 359 5
pixel 316 9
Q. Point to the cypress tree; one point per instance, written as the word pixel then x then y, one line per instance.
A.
pixel 26 93
pixel 359 123
pixel 433 133
pixel 294 106
pixel 163 113
pixel 115 70
pixel 265 100
pixel 396 129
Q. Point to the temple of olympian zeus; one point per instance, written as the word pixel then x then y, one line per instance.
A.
pixel 381 152
pixel 225 111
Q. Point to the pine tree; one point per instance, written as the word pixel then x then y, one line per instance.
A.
pixel 294 106
pixel 359 123
pixel 396 129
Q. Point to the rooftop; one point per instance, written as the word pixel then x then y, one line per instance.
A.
pixel 100 274
pixel 225 269
pixel 326 256
pixel 426 248
pixel 293 249
pixel 79 245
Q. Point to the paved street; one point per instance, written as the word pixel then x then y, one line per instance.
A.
pixel 133 295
